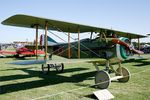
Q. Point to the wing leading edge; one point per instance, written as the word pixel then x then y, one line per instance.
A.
pixel 57 25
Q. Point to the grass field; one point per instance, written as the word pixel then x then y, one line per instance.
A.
pixel 27 82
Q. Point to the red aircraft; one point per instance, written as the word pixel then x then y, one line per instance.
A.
pixel 22 52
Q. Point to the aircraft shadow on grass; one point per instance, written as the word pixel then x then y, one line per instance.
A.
pixel 50 79
pixel 139 62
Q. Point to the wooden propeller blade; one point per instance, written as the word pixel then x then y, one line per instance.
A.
pixel 117 41
pixel 138 51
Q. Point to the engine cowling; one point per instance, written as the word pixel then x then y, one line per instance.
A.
pixel 123 52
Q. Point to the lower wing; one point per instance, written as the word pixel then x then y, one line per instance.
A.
pixel 65 61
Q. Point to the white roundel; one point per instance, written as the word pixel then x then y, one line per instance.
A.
pixel 122 52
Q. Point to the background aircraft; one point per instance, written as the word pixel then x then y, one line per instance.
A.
pixel 112 45
pixel 21 51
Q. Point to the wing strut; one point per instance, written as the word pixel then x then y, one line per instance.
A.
pixel 68 45
pixel 139 44
pixel 36 41
pixel 46 27
pixel 78 43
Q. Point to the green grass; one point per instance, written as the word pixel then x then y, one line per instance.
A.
pixel 27 82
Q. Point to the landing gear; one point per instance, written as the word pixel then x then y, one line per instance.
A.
pixel 60 67
pixel 102 79
pixel 123 72
pixel 46 67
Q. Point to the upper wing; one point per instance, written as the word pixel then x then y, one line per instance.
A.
pixel 30 21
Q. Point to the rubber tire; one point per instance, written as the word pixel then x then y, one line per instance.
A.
pixel 60 69
pixel 126 75
pixel 102 76
pixel 43 68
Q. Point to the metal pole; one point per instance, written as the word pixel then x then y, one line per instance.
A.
pixel 46 26
pixel 69 45
pixel 78 43
pixel 36 43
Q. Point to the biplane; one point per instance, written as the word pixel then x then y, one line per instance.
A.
pixel 111 45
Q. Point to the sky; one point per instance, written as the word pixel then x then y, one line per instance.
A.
pixel 123 15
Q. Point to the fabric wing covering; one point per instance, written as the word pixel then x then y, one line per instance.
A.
pixel 57 25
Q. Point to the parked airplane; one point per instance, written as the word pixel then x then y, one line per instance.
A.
pixel 21 51
pixel 112 45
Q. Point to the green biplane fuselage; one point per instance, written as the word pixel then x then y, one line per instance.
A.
pixel 89 48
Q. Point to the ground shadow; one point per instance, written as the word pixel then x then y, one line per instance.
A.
pixel 91 96
pixel 139 62
pixel 51 79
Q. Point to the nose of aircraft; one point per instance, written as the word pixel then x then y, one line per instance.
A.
pixel 123 48
pixel 127 43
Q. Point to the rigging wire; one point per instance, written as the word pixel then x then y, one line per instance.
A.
pixel 63 46
pixel 75 39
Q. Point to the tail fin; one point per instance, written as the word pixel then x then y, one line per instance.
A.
pixel 49 39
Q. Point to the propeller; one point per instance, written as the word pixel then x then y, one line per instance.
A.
pixel 130 47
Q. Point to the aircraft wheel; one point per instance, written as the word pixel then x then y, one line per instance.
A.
pixel 45 68
pixel 125 73
pixel 102 79
pixel 59 67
